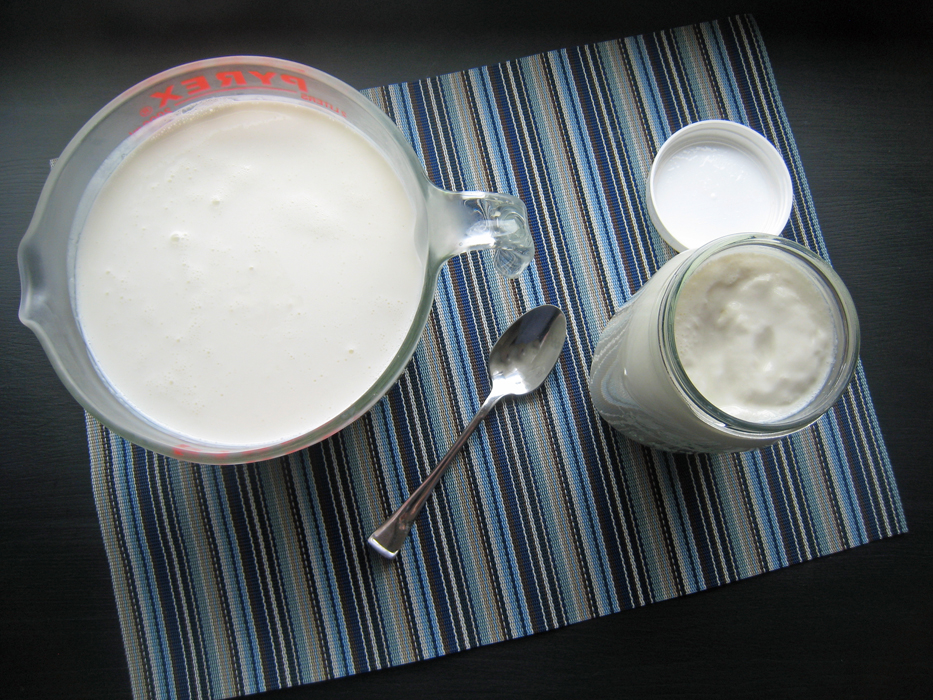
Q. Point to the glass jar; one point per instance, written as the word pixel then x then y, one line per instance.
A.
pixel 640 386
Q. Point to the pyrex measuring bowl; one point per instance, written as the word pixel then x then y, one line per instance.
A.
pixel 447 224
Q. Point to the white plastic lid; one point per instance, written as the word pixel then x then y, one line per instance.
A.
pixel 714 178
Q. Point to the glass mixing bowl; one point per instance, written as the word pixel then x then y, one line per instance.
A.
pixel 447 224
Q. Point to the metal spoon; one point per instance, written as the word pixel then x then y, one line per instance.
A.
pixel 518 364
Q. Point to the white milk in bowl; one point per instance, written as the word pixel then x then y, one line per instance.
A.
pixel 248 272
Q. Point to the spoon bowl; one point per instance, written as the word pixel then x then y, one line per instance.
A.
pixel 519 363
pixel 528 350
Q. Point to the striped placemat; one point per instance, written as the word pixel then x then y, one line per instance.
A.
pixel 235 580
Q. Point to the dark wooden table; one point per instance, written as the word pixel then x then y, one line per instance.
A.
pixel 857 84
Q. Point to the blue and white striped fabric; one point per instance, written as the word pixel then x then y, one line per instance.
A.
pixel 234 580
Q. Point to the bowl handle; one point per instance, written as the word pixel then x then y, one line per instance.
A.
pixel 463 221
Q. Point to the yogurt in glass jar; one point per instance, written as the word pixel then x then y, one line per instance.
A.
pixel 727 348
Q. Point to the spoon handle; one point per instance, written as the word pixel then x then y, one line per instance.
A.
pixel 389 537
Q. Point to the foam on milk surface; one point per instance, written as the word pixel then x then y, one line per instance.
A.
pixel 754 334
pixel 246 274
